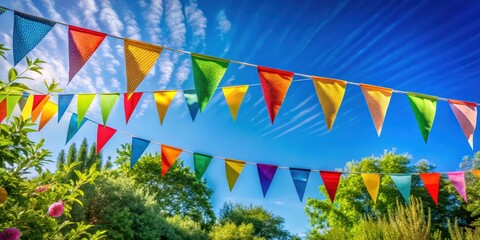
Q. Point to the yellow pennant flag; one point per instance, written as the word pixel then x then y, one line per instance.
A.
pixel 330 94
pixel 234 96
pixel 27 109
pixel 476 172
pixel 139 59
pixel 36 112
pixel 233 168
pixel 378 99
pixel 372 182
pixel 163 100
pixel 48 112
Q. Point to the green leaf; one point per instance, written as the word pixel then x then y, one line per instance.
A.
pixel 12 74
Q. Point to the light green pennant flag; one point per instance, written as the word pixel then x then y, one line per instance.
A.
pixel 207 74
pixel 201 162
pixel 424 107
pixel 12 101
pixel 107 101
pixel 83 103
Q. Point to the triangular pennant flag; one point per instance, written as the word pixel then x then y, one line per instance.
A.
pixel 163 100
pixel 12 101
pixel 300 179
pixel 139 59
pixel 2 10
pixel 107 101
pixel 73 127
pixel 476 173
pixel 372 182
pixel 403 183
pixel 378 99
pixel 432 184
pixel 234 96
pixel 27 109
pixel 330 180
pixel 466 114
pixel 63 103
pixel 104 134
pixel 233 168
pixel 275 84
pixel 48 112
pixel 266 173
pixel 169 156
pixel 201 162
pixel 84 101
pixel 424 107
pixel 138 147
pixel 330 93
pixel 23 101
pixel 3 109
pixel 39 102
pixel 192 102
pixel 130 102
pixel 207 74
pixel 82 43
pixel 28 31
pixel 458 181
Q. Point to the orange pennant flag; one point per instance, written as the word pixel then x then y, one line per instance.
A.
pixel 476 172
pixel 466 114
pixel 330 94
pixel 39 102
pixel 275 84
pixel 372 182
pixel 82 43
pixel 48 112
pixel 378 99
pixel 234 96
pixel 139 59
pixel 169 156
pixel 163 100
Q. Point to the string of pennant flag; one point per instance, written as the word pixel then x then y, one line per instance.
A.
pixel 46 110
pixel 208 72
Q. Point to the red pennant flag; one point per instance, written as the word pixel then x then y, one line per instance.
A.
pixel 432 184
pixel 169 156
pixel 39 102
pixel 275 84
pixel 104 134
pixel 82 43
pixel 3 109
pixel 130 103
pixel 330 180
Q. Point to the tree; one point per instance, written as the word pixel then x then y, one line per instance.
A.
pixel 230 231
pixel 266 224
pixel 473 188
pixel 353 202
pixel 61 159
pixel 93 158
pixel 82 154
pixel 72 154
pixel 178 192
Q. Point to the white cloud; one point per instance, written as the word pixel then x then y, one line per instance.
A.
pixel 115 84
pixel 153 17
pixel 89 9
pixel 73 18
pixel 110 18
pixel 182 72
pixel 166 69
pixel 196 21
pixel 223 24
pixel 132 29
pixel 147 101
pixel 175 23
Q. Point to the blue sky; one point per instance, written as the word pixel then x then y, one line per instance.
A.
pixel 428 47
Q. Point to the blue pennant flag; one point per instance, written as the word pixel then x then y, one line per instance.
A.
pixel 63 102
pixel 73 127
pixel 266 173
pixel 403 183
pixel 192 102
pixel 300 179
pixel 28 31
pixel 138 147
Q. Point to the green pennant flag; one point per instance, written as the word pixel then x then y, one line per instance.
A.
pixel 201 162
pixel 424 107
pixel 84 101
pixel 207 74
pixel 12 100
pixel 107 101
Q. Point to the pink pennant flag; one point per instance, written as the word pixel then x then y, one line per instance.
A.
pixel 130 102
pixel 458 181
pixel 466 114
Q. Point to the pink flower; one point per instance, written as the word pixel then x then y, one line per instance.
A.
pixel 10 234
pixel 56 209
pixel 42 189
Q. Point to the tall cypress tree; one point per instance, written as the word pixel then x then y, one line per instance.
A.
pixel 61 159
pixel 82 155
pixel 72 154
pixel 92 157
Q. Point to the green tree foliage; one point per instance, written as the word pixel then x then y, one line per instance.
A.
pixel 82 155
pixel 61 159
pixel 178 192
pixel 266 225
pixel 230 231
pixel 473 188
pixel 352 201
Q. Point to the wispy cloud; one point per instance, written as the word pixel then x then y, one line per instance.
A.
pixel 183 72
pixel 153 18
pixel 223 24
pixel 132 29
pixel 197 22
pixel 175 22
pixel 110 18
pixel 89 9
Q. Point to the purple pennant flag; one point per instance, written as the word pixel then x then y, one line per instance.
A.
pixel 266 173
pixel 458 181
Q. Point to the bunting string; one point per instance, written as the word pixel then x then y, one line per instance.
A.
pixel 230 60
